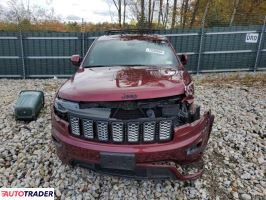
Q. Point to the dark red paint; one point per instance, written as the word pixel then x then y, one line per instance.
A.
pixel 127 83
pixel 112 83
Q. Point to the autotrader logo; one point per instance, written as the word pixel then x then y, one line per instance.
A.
pixel 27 193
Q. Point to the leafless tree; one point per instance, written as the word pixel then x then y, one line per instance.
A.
pixel 112 14
pixel 236 3
pixel 194 13
pixel 185 11
pixel 182 11
pixel 174 14
pixel 152 11
pixel 124 15
pixel 160 12
pixel 149 13
pixel 136 9
pixel 133 9
pixel 1 13
pixel 122 7
pixel 206 11
pixel 253 4
pixel 142 13
pixel 166 14
pixel 118 5
pixel 18 11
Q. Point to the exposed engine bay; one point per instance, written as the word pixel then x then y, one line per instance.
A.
pixel 167 107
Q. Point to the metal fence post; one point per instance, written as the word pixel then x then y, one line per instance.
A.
pixel 83 44
pixel 259 46
pixel 200 45
pixel 202 33
pixel 83 37
pixel 22 53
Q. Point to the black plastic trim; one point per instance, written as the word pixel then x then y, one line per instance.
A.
pixel 82 115
pixel 139 173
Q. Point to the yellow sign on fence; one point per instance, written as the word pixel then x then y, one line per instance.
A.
pixel 82 28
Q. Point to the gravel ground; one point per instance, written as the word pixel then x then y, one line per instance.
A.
pixel 235 156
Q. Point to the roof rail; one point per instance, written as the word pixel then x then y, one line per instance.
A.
pixel 128 31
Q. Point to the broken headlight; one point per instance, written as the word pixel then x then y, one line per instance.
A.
pixel 189 85
pixel 61 107
pixel 189 89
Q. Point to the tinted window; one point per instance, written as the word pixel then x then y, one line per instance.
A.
pixel 130 52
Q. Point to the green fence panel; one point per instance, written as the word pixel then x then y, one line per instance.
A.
pixel 188 44
pixel 89 39
pixel 227 62
pixel 262 61
pixel 48 53
pixel 262 58
pixel 10 54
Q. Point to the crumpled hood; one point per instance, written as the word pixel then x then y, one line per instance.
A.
pixel 122 83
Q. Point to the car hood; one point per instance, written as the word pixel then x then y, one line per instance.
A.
pixel 119 83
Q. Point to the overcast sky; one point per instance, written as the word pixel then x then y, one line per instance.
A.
pixel 91 10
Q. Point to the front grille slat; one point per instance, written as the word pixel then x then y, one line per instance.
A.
pixel 117 131
pixel 121 131
pixel 165 127
pixel 74 122
pixel 149 131
pixel 133 132
pixel 88 128
pixel 102 130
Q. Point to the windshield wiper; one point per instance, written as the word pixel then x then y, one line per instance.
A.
pixel 135 65
pixel 130 65
pixel 96 66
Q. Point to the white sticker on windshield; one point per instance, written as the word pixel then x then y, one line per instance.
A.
pixel 169 62
pixel 157 51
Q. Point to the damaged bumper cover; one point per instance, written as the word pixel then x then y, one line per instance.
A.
pixel 155 161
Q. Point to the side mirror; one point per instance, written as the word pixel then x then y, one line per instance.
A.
pixel 76 60
pixel 183 58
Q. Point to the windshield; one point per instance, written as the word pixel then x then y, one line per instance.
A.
pixel 130 52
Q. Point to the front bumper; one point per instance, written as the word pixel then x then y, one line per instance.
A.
pixel 185 149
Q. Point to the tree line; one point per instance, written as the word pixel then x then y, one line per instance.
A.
pixel 190 13
pixel 160 14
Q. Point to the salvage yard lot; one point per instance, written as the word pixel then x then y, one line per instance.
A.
pixel 235 166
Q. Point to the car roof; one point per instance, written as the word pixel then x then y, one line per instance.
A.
pixel 153 37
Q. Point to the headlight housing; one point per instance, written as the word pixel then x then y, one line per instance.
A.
pixel 189 89
pixel 62 106
pixel 189 85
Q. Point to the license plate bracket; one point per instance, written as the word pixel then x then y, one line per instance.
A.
pixel 121 161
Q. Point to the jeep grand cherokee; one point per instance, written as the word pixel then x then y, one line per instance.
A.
pixel 128 110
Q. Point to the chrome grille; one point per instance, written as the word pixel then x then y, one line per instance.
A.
pixel 88 128
pixel 102 130
pixel 149 131
pixel 121 131
pixel 74 122
pixel 117 131
pixel 165 129
pixel 133 132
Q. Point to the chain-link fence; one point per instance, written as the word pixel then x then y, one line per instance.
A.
pixel 226 47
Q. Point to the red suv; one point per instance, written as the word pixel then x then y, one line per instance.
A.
pixel 128 111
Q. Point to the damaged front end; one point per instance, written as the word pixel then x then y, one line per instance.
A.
pixel 136 121
pixel 152 137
